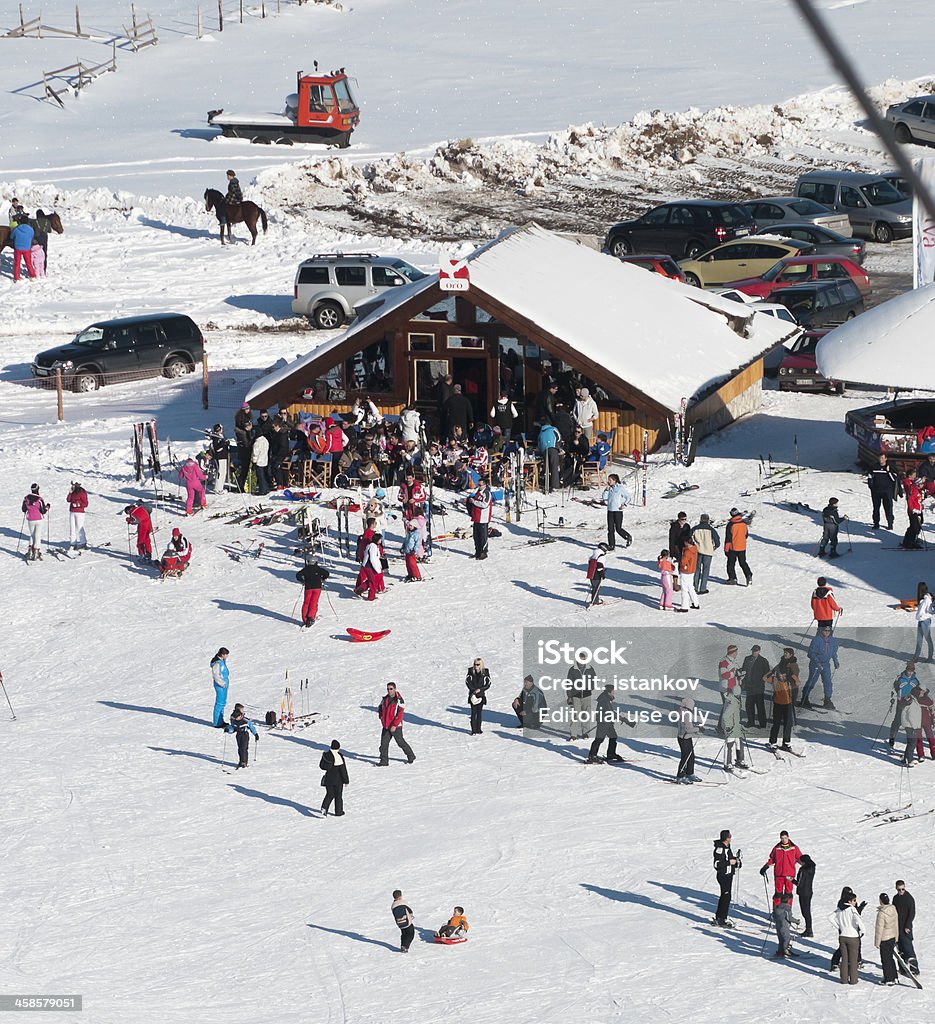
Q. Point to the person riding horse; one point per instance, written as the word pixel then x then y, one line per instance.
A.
pixel 234 193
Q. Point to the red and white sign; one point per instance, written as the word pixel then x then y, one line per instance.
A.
pixel 453 275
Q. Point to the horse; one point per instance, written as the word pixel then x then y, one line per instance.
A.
pixel 52 220
pixel 237 213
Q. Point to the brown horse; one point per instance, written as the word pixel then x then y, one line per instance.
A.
pixel 52 220
pixel 235 213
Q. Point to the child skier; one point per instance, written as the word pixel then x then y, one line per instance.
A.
pixel 596 572
pixel 193 477
pixel 457 925
pixel 220 676
pixel 242 727
pixel 666 568
pixel 35 509
pixel 139 514
pixel 311 576
pixel 831 519
pixel 77 508
pixel 824 605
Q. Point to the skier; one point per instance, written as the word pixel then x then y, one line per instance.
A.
pixel 529 705
pixel 924 613
pixel 726 865
pixel 666 571
pixel 804 881
pixel 580 683
pixel 77 509
pixel 913 494
pixel 785 680
pixel 735 547
pixel 404 918
pixel 687 731
pixel 784 857
pixel 193 477
pixel 850 930
pixel 35 510
pixel 617 498
pixel 707 541
pixel 782 920
pixel 902 688
pixel 477 682
pixel 831 519
pixel 548 445
pixel 139 514
pixel 220 676
pixel 596 573
pixel 363 542
pixel 906 910
pixel 912 720
pixel 220 452
pixel 824 605
pixel 311 576
pixel 605 716
pixel 885 935
pixel 411 543
pixel 391 711
pixel 242 727
pixel 884 485
pixel 753 672
pixel 732 728
pixel 334 765
pixel 822 652
pixel 727 671
pixel 457 925
pixel 480 507
pixel 688 564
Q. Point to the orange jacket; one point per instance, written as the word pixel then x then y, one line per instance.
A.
pixel 736 534
pixel 666 566
pixel 689 560
pixel 458 921
pixel 823 603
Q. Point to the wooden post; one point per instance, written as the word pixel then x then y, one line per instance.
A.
pixel 204 381
pixel 58 392
pixel 77 21
pixel 241 12
pixel 199 24
pixel 133 18
pixel 113 55
pixel 220 17
pixel 22 24
pixel 263 9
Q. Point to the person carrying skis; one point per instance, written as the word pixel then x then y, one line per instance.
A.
pixel 138 513
pixel 902 688
pixel 925 610
pixel 477 682
pixel 334 765
pixel 480 508
pixel 785 681
pixel 605 716
pixel 753 672
pixel 688 564
pixel 831 520
pixel 404 918
pixel 726 865
pixel 529 705
pixel 735 547
pixel 411 544
pixel 617 498
pixel 884 485
pixel 457 925
pixel 906 912
pixel 391 711
pixel 35 510
pixel 311 576
pixel 804 882
pixel 913 494
pixel 688 729
pixel 824 605
pixel 596 573
pixel 707 541
pixel 77 510
pixel 242 727
pixel 850 930
pixel 193 478
pixel 220 677
pixel 822 653
pixel 784 858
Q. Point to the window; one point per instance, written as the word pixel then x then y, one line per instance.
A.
pixel 354 277
pixel 881 193
pixel 821 191
pixel 320 99
pixel 768 252
pixel 91 337
pixel 914 109
pixel 345 101
pixel 421 342
pixel 681 215
pixel 179 329
pixel 851 197
pixel 371 370
pixel 428 373
pixel 849 291
pixel 796 272
pixel 313 275
pixel 659 216
pixel 120 338
pixel 733 252
pixel 929 112
pixel 461 341
pixel 148 336
pixel 384 277
pixel 805 207
pixel 829 271
pixel 768 211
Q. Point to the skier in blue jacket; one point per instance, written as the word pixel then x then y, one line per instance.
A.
pixel 822 652
pixel 617 498
pixel 242 727
pixel 220 674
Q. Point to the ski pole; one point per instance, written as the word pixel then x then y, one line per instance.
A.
pixel 48 529
pixel 883 723
pixel 22 530
pixel 292 613
pixel 847 530
pixel 256 747
pixel 804 636
pixel 224 751
pixel 769 926
pixel 330 603
pixel 5 694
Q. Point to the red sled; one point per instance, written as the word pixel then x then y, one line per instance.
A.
pixel 361 636
pixel 454 941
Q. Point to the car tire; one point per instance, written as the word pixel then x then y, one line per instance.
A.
pixel 838 388
pixel 620 246
pixel 882 233
pixel 692 279
pixel 85 380
pixel 176 367
pixel 328 316
pixel 261 140
pixel 902 133
pixel 850 315
pixel 693 250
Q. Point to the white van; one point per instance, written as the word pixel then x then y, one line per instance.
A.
pixel 876 209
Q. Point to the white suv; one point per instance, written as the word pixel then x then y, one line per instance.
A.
pixel 329 286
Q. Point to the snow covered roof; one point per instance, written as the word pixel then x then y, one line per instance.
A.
pixel 664 339
pixel 890 344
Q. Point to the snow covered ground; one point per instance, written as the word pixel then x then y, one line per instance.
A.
pixel 139 874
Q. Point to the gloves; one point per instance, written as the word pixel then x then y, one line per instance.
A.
pixel 764 869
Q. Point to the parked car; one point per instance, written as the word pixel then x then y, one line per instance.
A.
pixel 875 209
pixel 329 286
pixel 683 229
pixel 736 260
pixel 795 210
pixel 801 269
pixel 914 119
pixel 798 370
pixel 825 242
pixel 158 343
pixel 822 303
pixel 662 265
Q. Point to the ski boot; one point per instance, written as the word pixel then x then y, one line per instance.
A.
pixel 828 705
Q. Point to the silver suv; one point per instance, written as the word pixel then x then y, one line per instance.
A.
pixel 329 286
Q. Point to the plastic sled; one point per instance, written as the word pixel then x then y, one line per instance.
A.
pixel 455 940
pixel 908 604
pixel 361 636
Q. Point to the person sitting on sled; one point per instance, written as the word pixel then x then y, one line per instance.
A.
pixel 456 927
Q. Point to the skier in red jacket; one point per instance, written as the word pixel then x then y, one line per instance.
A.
pixel 391 711
pixel 784 857
pixel 914 508
pixel 823 603
pixel 144 529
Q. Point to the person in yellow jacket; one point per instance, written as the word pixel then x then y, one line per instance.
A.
pixel 457 925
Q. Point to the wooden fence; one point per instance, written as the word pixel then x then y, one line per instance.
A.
pixel 75 77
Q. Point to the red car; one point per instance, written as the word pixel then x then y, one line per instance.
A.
pixel 799 368
pixel 803 270
pixel 663 265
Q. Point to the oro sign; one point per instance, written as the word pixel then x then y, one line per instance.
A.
pixel 453 275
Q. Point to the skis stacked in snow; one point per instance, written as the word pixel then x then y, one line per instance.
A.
pixel 138 451
pixel 645 465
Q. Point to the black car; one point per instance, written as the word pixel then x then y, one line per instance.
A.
pixel 825 241
pixel 113 350
pixel 683 229
pixel 820 303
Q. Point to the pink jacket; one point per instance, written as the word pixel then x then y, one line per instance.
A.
pixel 191 475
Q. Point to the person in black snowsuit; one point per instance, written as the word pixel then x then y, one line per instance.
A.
pixel 334 780
pixel 477 683
pixel 459 412
pixel 220 452
pixel 545 404
pixel 753 675
pixel 726 865
pixel 242 727
pixel 831 519
pixel 605 716
pixel 680 532
pixel 883 481
pixel 402 914
pixel 906 909
pixel 803 886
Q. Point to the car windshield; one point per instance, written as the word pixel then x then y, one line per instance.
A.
pixel 342 89
pixel 774 271
pixel 881 193
pixel 806 207
pixel 92 337
pixel 407 270
pixel 805 346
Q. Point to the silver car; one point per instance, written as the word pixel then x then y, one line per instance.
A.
pixel 914 119
pixel 794 209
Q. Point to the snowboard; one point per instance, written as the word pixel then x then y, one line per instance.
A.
pixel 678 489
pixel 904 969
pixel 361 636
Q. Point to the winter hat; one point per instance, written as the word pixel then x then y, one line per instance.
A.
pixel 329 422
pixel 688 703
pixel 832 501
pixel 246 405
pixel 176 532
pixel 34 488
pixel 335 745
pixel 735 511
pixel 379 493
pixel 585 392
